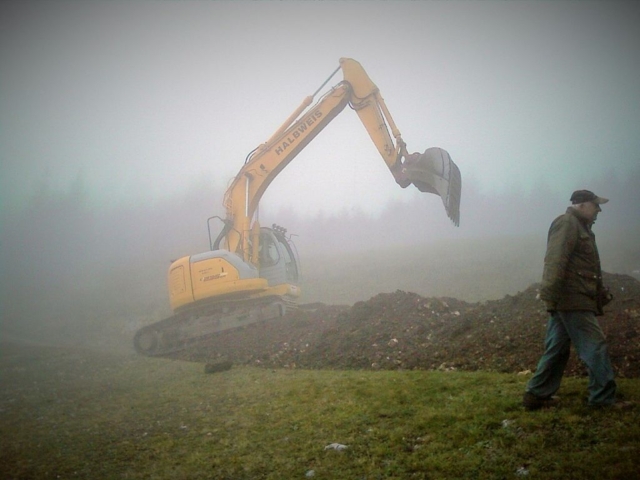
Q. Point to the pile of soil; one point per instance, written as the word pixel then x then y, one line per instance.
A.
pixel 403 330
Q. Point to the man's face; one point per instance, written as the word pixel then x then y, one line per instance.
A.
pixel 591 210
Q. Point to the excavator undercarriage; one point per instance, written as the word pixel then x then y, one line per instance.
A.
pixel 179 331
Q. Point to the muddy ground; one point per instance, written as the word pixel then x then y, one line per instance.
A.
pixel 402 330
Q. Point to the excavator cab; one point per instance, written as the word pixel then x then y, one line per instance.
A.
pixel 278 261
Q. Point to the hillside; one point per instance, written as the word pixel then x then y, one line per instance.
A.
pixel 403 330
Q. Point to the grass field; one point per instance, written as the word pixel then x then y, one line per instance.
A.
pixel 72 413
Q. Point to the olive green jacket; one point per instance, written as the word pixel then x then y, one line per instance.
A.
pixel 572 277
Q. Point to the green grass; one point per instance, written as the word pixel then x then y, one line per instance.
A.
pixel 80 414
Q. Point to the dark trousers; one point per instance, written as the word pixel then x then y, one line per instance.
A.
pixel 583 330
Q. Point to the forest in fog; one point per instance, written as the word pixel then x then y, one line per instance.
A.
pixel 75 272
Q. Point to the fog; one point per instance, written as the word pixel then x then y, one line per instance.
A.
pixel 143 98
pixel 73 273
pixel 121 124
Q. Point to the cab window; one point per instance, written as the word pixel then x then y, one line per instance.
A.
pixel 268 251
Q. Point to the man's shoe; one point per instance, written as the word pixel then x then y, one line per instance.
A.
pixel 623 405
pixel 530 402
pixel 627 405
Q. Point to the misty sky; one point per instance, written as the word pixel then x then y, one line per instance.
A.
pixel 140 100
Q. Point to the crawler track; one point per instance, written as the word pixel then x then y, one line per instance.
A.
pixel 177 332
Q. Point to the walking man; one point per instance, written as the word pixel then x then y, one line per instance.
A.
pixel 573 292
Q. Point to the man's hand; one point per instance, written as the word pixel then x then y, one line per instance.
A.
pixel 550 306
pixel 605 296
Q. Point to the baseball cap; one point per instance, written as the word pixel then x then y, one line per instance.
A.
pixel 582 196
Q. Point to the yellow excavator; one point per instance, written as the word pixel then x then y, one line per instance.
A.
pixel 251 273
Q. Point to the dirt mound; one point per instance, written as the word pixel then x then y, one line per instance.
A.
pixel 402 330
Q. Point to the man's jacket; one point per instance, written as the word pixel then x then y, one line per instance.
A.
pixel 572 278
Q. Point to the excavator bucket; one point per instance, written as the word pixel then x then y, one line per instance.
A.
pixel 434 172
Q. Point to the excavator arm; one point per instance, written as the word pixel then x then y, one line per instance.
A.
pixel 432 172
pixel 368 103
